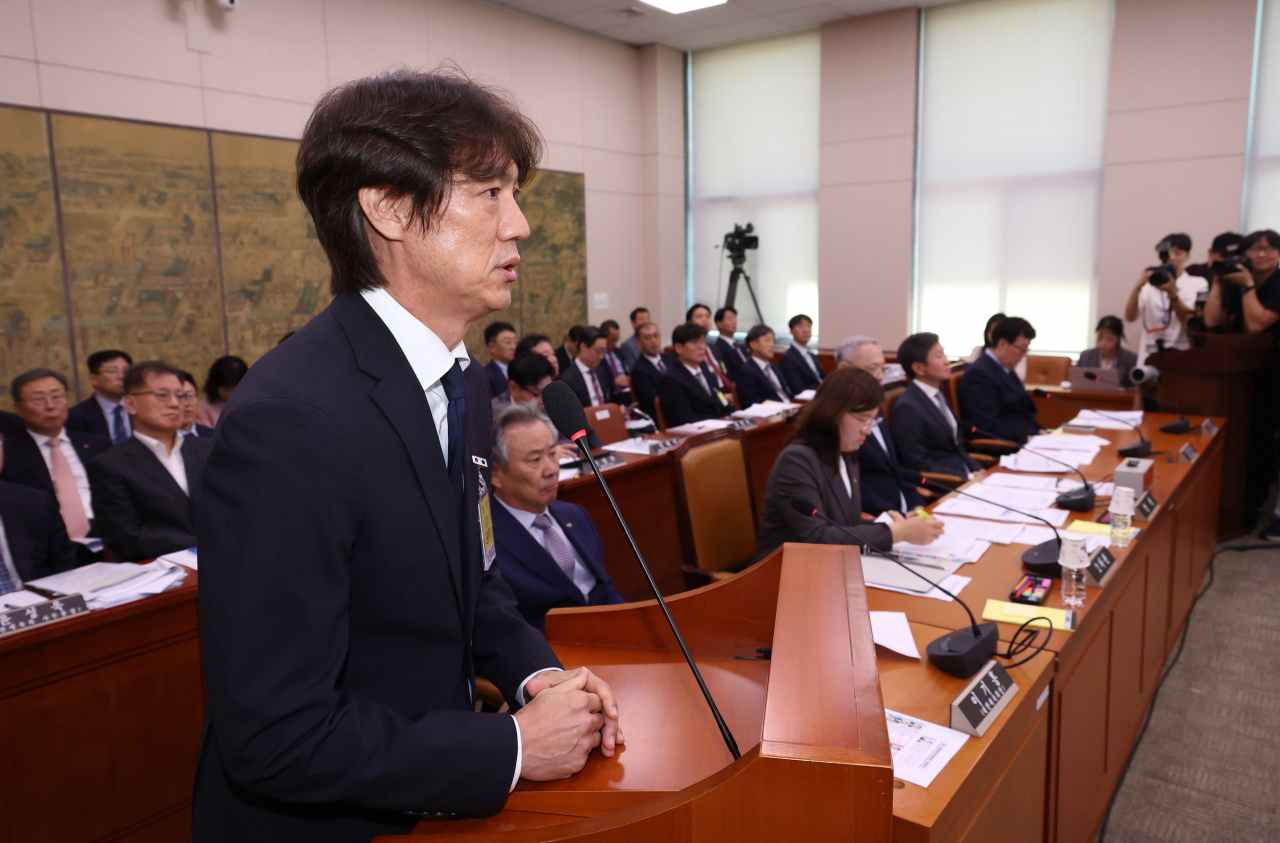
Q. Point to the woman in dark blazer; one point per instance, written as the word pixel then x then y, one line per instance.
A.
pixel 1108 354
pixel 820 466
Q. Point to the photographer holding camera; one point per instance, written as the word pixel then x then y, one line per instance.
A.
pixel 1246 294
pixel 1165 298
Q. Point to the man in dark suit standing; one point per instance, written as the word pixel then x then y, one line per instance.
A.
pixel 103 413
pixel 992 397
pixel 586 377
pixel 926 430
pixel 882 489
pixel 548 551
pixel 726 349
pixel 629 350
pixel 798 364
pixel 41 452
pixel 33 539
pixel 143 489
pixel 690 391
pixel 650 367
pixel 347 595
pixel 760 379
pixel 500 339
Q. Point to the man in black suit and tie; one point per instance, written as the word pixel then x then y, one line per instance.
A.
pixel 584 374
pixel 926 430
pixel 347 595
pixel 798 364
pixel 568 350
pixel 726 350
pixel 700 315
pixel 500 339
pixel 760 379
pixel 41 452
pixel 548 551
pixel 103 413
pixel 690 391
pixel 189 397
pixel 629 350
pixel 33 539
pixel 650 367
pixel 882 489
pixel 143 489
pixel 992 397
pixel 611 366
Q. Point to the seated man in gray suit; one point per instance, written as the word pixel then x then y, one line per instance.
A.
pixel 924 428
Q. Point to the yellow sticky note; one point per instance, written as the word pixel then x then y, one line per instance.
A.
pixel 1083 526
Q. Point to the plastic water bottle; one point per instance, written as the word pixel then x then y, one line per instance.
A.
pixel 1121 516
pixel 1074 561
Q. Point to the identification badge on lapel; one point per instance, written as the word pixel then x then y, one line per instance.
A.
pixel 720 395
pixel 486 524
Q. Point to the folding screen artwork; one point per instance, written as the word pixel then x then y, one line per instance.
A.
pixel 184 245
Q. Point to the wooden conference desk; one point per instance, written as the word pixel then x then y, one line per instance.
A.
pixel 100 718
pixel 644 488
pixel 1106 671
pixel 1054 414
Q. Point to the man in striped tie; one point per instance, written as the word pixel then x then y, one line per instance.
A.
pixel 548 550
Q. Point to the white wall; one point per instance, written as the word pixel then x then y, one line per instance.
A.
pixel 260 68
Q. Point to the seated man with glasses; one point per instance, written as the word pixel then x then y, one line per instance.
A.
pixel 33 539
pixel 189 397
pixel 527 375
pixel 103 412
pixel 143 490
pixel 43 452
pixel 991 394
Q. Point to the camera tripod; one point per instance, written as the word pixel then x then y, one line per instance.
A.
pixel 738 259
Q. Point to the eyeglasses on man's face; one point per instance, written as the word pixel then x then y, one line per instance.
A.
pixel 164 396
pixel 46 399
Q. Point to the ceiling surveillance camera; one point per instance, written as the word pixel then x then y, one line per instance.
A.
pixel 229 4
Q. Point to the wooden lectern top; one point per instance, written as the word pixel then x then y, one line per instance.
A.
pixel 810 722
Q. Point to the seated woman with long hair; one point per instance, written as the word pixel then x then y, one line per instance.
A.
pixel 821 466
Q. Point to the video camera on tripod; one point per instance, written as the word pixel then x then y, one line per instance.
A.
pixel 736 244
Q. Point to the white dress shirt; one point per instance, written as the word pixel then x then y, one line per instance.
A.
pixel 844 475
pixel 812 361
pixel 1155 312
pixel 593 382
pixel 77 468
pixel 657 363
pixel 431 360
pixel 108 409
pixel 582 576
pixel 934 394
pixel 171 460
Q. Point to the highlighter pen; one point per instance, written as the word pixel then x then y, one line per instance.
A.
pixel 920 511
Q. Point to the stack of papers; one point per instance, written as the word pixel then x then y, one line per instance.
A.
pixel 701 427
pixel 995 532
pixel 1113 420
pixel 805 395
pixel 638 445
pixel 1057 485
pixel 1067 442
pixel 946 548
pixel 764 410
pixel 19 599
pixel 185 558
pixel 106 584
pixel 996 512
pixel 1037 464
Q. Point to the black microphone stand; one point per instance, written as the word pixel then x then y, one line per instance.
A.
pixel 1182 425
pixel 1076 500
pixel 1140 448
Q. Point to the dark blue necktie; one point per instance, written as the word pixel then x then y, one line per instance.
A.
pixel 455 389
pixel 118 433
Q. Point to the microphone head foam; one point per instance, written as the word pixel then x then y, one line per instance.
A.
pixel 803 506
pixel 1039 393
pixel 564 409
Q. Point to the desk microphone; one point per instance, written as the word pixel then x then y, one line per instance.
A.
pixel 1182 425
pixel 961 653
pixel 1076 500
pixel 566 413
pixel 1041 559
pixel 1138 449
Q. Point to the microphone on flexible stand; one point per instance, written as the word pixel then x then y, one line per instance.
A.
pixel 1138 449
pixel 1041 559
pixel 961 653
pixel 1076 500
pixel 566 413
pixel 1182 425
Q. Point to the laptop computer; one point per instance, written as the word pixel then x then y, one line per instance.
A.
pixel 1107 380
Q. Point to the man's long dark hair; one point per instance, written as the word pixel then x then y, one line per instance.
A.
pixel 413 133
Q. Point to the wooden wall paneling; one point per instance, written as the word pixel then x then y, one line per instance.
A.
pixel 1181 590
pixel 1081 739
pixel 1126 703
pixel 1015 813
pixel 1208 491
pixel 1158 564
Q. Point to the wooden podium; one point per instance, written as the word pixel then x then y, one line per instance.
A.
pixel 1217 379
pixel 815 763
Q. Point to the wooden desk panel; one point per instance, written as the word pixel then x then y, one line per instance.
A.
pixel 100 719
pixel 1053 413
pixel 994 789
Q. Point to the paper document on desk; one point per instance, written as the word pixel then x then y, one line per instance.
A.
pixel 805 394
pixel 185 558
pixel 111 583
pixel 920 749
pixel 638 445
pixel 1030 499
pixel 878 571
pixel 1034 535
pixel 764 410
pixel 20 599
pixel 977 509
pixel 1038 483
pixel 892 631
pixel 954 584
pixel 705 426
pixel 1037 464
pixel 995 532
pixel 1113 420
pixel 1067 442
pixel 945 548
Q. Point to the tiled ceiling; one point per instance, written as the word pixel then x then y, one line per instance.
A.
pixel 635 22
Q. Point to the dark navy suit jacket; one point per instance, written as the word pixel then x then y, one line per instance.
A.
pixel 997 401
pixel 880 482
pixel 799 376
pixel 23 463
pixel 924 439
pixel 536 579
pixel 344 606
pixel 496 378
pixel 33 527
pixel 754 386
pixel 684 400
pixel 645 379
pixel 88 417
pixel 730 354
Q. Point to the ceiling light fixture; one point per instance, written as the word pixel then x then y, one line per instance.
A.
pixel 679 7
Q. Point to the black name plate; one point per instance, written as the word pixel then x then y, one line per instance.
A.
pixel 982 700
pixel 1188 453
pixel 1147 506
pixel 1101 567
pixel 1207 427
pixel 16 620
